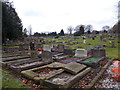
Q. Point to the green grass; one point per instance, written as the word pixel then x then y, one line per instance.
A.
pixel 8 81
pixel 110 52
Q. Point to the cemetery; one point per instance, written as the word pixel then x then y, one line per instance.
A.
pixel 53 53
pixel 57 66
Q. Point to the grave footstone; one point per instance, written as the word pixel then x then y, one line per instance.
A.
pixel 80 53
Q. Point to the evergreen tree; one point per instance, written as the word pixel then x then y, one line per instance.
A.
pixel 11 23
pixel 61 33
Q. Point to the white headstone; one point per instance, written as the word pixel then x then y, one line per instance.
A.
pixel 84 41
pixel 80 53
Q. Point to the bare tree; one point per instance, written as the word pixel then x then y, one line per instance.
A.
pixel 106 27
pixel 89 28
pixel 77 27
pixel 30 30
pixel 70 29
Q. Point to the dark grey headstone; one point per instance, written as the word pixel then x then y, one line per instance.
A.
pixel 46 56
pixel 69 52
pixel 98 53
pixel 60 48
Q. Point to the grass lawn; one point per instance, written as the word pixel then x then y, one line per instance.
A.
pixel 8 81
pixel 110 52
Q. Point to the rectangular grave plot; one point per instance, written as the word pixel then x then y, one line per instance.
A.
pixel 92 62
pixel 14 58
pixel 16 61
pixel 45 72
pixel 28 65
pixel 65 79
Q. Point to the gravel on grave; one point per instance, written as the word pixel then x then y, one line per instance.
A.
pixel 61 78
pixel 82 83
pixel 107 80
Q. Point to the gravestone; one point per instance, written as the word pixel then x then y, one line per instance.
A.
pixel 51 45
pixel 84 41
pixel 74 67
pixel 88 48
pixel 98 53
pixel 60 48
pixel 80 53
pixel 69 52
pixel 46 56
pixel 99 46
pixel 55 48
pixel 46 48
pixel 113 44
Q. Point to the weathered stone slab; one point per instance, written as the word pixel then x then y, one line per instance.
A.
pixel 56 65
pixel 29 74
pixel 17 61
pixel 41 75
pixel 74 67
pixel 64 79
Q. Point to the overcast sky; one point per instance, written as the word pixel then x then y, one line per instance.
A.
pixel 54 15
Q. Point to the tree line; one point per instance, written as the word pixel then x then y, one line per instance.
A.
pixel 12 26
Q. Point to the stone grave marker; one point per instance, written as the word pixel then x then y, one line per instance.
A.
pixel 60 48
pixel 99 46
pixel 46 48
pixel 88 48
pixel 74 67
pixel 98 53
pixel 113 44
pixel 46 56
pixel 69 52
pixel 80 53
pixel 55 48
pixel 51 45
